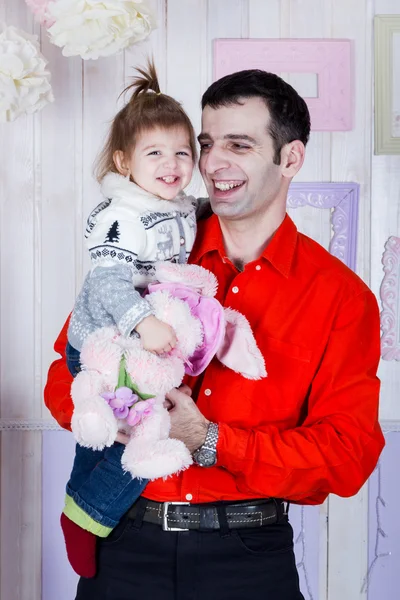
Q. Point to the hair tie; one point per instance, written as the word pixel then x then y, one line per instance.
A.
pixel 158 93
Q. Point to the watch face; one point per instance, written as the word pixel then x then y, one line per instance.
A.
pixel 206 458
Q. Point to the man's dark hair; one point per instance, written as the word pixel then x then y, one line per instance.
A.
pixel 289 116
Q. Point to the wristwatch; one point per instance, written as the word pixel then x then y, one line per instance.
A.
pixel 206 455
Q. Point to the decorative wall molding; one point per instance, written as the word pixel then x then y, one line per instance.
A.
pixel 389 426
pixel 330 60
pixel 343 199
pixel 386 26
pixel 29 425
pixel 380 533
pixel 390 298
pixel 301 563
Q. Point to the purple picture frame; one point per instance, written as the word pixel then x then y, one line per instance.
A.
pixel 342 199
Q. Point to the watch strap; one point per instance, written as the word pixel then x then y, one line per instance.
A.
pixel 210 443
pixel 209 446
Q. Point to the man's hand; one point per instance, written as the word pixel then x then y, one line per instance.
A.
pixel 187 422
pixel 182 388
pixel 123 438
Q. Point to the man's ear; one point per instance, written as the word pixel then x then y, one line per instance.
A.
pixel 120 163
pixel 292 158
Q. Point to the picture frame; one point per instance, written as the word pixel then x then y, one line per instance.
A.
pixel 390 299
pixel 330 59
pixel 342 199
pixel 387 117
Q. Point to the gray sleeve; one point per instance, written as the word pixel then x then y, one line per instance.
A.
pixel 113 287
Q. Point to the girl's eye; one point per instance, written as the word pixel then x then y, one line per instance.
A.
pixel 183 153
pixel 154 153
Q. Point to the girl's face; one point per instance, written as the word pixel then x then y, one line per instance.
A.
pixel 161 162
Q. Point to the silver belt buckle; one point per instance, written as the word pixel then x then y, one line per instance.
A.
pixel 166 505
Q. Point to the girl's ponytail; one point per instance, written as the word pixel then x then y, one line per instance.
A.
pixel 148 82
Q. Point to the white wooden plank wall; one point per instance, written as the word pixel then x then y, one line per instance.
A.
pixel 47 190
pixel 20 347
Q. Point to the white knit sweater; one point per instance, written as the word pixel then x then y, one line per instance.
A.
pixel 126 235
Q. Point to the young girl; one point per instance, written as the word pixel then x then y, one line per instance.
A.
pixel 145 217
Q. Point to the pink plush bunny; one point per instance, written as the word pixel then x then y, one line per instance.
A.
pixel 183 298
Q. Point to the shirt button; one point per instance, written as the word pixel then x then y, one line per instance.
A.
pixel 235 289
pixel 258 268
pixel 189 497
pixel 182 241
pixel 207 392
pixel 174 214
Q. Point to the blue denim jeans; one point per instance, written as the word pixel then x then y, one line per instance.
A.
pixel 98 484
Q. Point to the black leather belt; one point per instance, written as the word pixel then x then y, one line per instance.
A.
pixel 182 516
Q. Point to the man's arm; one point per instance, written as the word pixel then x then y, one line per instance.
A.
pixel 57 391
pixel 337 446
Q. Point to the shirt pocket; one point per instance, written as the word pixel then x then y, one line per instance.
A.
pixel 283 392
pixel 287 349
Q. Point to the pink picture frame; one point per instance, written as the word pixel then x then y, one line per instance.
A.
pixel 331 60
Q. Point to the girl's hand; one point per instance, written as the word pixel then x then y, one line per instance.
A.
pixel 122 438
pixel 156 336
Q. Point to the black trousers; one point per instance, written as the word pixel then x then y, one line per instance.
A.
pixel 140 561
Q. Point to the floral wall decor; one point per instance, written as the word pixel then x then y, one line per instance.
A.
pixel 93 28
pixel 24 80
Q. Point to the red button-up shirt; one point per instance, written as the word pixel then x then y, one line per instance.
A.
pixel 311 427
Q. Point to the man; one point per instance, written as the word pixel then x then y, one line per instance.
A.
pixel 220 529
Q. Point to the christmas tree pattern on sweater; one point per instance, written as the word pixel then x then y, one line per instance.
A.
pixel 113 234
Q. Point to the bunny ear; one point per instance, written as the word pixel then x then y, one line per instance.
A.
pixel 239 350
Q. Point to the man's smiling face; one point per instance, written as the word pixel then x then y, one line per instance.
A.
pixel 236 159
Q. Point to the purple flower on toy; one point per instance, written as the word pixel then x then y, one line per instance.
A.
pixel 142 410
pixel 145 408
pixel 133 418
pixel 120 401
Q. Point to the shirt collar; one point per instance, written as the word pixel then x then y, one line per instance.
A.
pixel 208 238
pixel 279 252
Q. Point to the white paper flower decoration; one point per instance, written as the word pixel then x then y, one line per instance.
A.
pixel 94 28
pixel 24 81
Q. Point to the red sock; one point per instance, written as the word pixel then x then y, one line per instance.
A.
pixel 81 547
